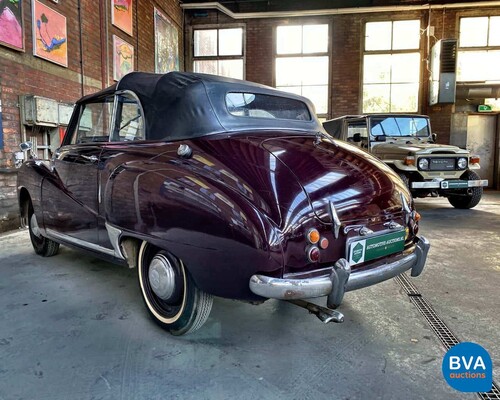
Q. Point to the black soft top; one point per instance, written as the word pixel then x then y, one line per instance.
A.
pixel 181 105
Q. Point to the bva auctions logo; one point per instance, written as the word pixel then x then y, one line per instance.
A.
pixel 467 367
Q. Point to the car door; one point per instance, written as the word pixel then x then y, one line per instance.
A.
pixel 125 138
pixel 70 197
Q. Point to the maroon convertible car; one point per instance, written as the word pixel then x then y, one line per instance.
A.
pixel 219 187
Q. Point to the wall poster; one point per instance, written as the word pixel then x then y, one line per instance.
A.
pixel 11 24
pixel 166 44
pixel 49 34
pixel 123 58
pixel 121 15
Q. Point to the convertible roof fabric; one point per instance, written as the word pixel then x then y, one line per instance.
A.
pixel 181 105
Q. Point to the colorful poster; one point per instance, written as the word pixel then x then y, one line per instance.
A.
pixel 123 58
pixel 166 44
pixel 11 24
pixel 121 15
pixel 50 38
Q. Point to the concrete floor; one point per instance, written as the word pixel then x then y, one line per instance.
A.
pixel 74 327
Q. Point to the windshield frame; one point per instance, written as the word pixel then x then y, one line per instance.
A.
pixel 375 122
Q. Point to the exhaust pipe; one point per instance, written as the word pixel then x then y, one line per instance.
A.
pixel 324 314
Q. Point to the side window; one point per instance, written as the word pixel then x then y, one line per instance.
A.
pixel 129 119
pixel 94 123
pixel 358 134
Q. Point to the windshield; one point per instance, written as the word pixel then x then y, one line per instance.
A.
pixel 399 126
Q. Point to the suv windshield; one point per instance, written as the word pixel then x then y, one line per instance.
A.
pixel 399 126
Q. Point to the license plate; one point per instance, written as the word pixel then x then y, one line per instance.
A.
pixel 375 247
pixel 454 184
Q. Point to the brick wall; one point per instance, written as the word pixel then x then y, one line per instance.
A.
pixel 21 73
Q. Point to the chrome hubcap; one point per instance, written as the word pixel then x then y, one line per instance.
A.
pixel 162 277
pixel 34 227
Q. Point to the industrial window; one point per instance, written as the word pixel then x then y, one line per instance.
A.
pixel 479 49
pixel 302 63
pixel 391 66
pixel 219 52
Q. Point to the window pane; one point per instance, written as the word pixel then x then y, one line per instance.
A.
pixel 404 97
pixel 130 121
pixel 95 122
pixel 231 68
pixel 313 71
pixel 288 71
pixel 291 89
pixel 231 42
pixel 473 32
pixel 494 39
pixel 405 67
pixel 205 42
pixel 264 106
pixel 377 68
pixel 477 65
pixel 319 96
pixel 315 39
pixel 378 35
pixel 289 39
pixel 376 98
pixel 406 35
pixel 206 67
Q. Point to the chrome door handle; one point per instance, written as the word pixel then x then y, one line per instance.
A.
pixel 90 158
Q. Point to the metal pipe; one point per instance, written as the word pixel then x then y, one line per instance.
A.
pixel 334 11
pixel 104 43
pixel 82 71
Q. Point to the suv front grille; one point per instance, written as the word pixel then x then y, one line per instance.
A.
pixel 442 164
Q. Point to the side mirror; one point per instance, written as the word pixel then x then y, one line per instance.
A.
pixel 25 146
pixel 356 138
pixel 434 137
pixel 380 138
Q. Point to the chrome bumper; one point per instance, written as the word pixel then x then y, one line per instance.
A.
pixel 294 289
pixel 444 184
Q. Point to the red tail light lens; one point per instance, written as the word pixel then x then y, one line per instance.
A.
pixel 313 254
pixel 323 243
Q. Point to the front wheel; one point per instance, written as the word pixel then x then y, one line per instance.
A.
pixel 470 198
pixel 169 292
pixel 42 245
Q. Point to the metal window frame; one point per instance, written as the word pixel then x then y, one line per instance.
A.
pixel 192 58
pixel 391 52
pixel 302 54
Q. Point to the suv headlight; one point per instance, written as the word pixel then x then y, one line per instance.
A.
pixel 462 163
pixel 423 163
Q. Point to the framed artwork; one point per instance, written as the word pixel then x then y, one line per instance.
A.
pixel 121 15
pixel 123 58
pixel 50 38
pixel 166 44
pixel 11 24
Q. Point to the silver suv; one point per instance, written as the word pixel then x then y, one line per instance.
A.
pixel 406 144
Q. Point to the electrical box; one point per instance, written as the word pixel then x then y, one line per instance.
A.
pixel 443 72
pixel 65 111
pixel 39 111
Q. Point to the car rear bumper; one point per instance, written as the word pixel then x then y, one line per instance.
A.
pixel 449 184
pixel 294 289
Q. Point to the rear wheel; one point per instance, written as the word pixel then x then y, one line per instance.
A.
pixel 42 245
pixel 169 292
pixel 471 197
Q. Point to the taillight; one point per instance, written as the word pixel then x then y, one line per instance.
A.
pixel 313 236
pixel 323 243
pixel 313 254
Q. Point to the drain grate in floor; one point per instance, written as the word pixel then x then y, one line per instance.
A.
pixel 444 334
